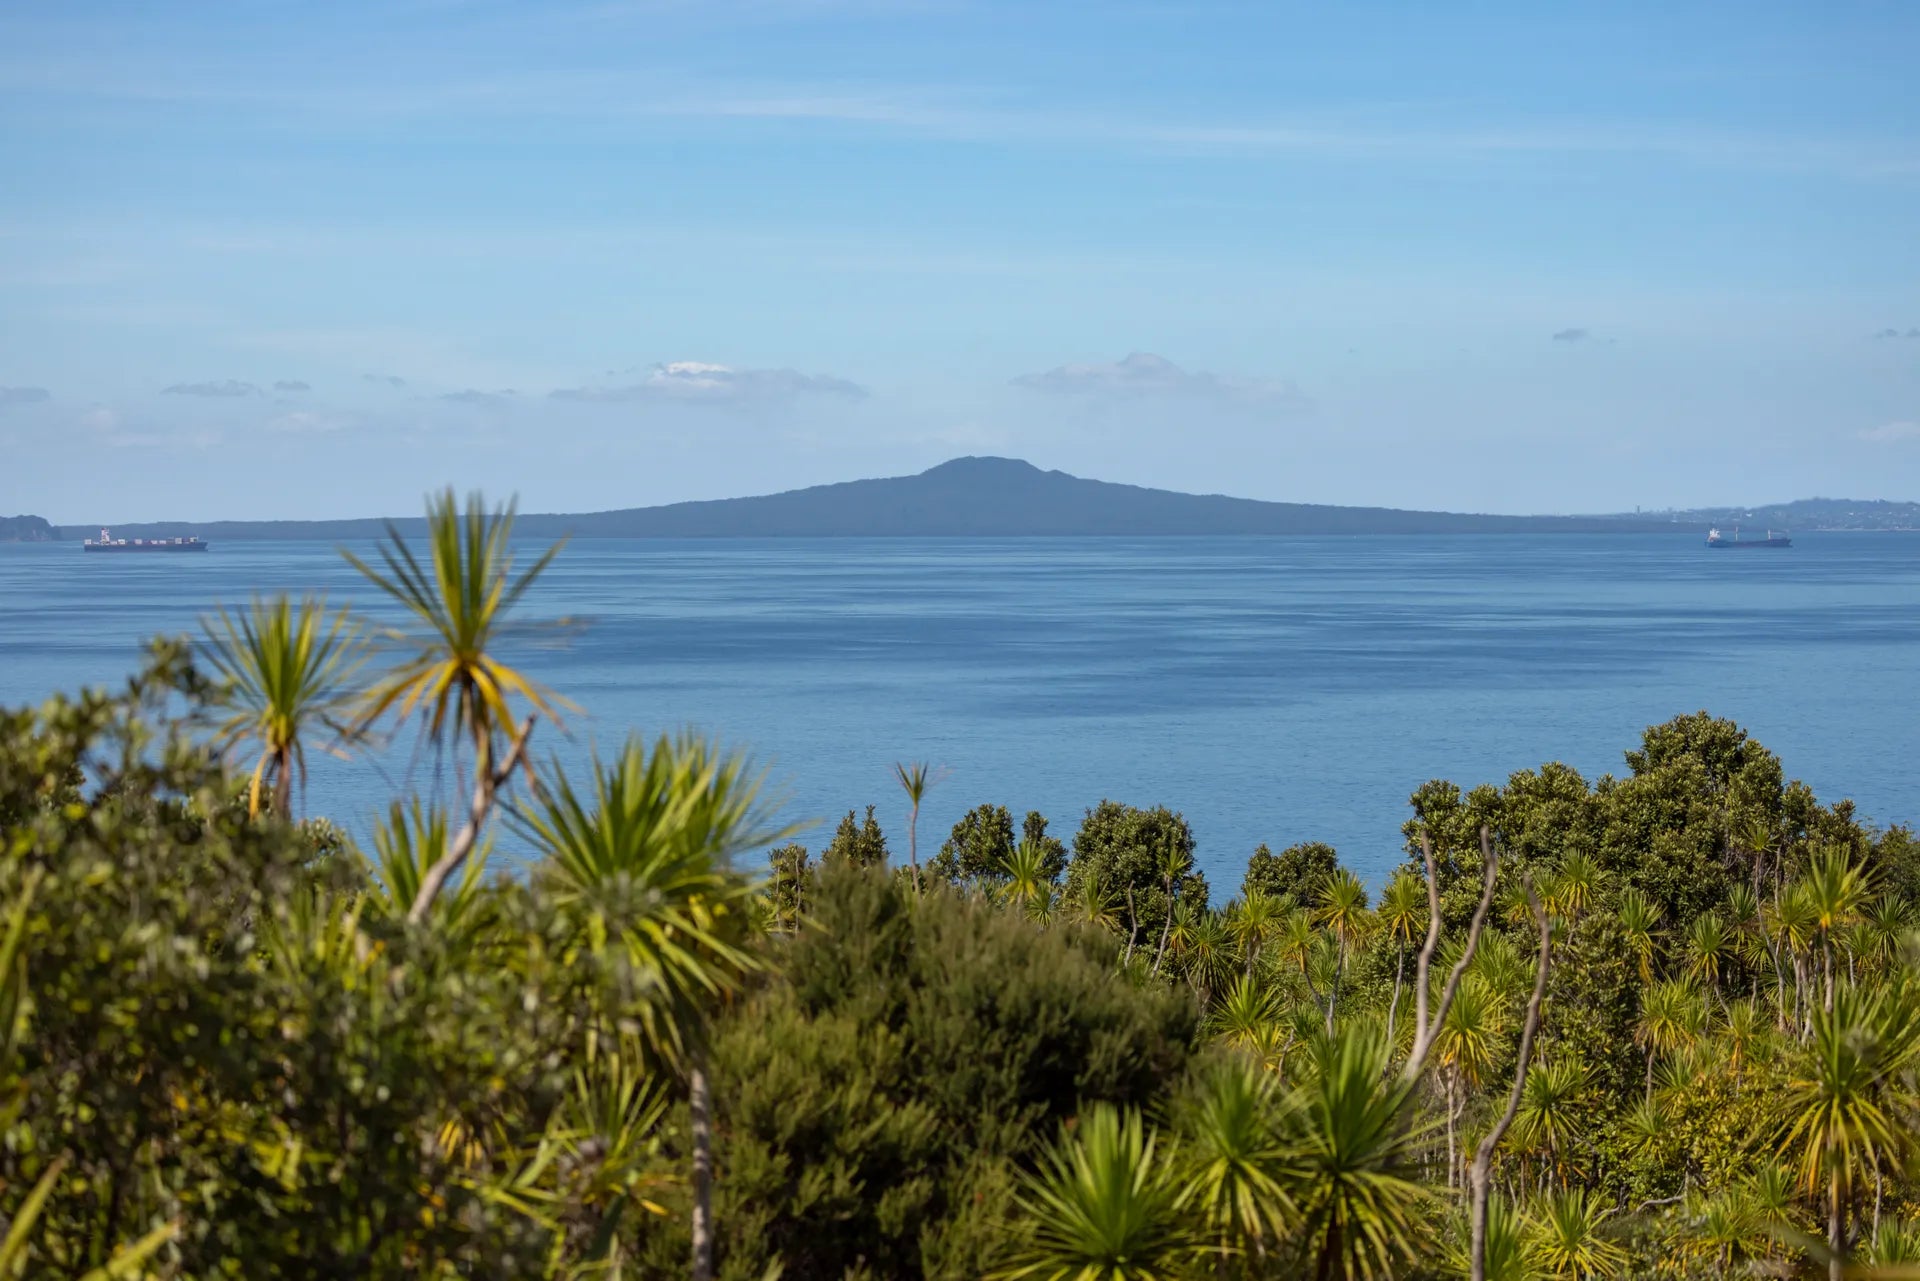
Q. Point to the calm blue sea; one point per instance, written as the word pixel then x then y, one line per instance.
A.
pixel 1272 689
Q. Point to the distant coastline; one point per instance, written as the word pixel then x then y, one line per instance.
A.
pixel 986 497
pixel 27 529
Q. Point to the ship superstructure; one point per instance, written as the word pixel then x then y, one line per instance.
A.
pixel 108 543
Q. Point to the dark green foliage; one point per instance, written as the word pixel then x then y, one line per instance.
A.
pixel 1123 847
pixel 861 844
pixel 206 1046
pixel 236 1050
pixel 870 1101
pixel 1665 829
pixel 789 881
pixel 980 843
pixel 1298 871
pixel 1052 849
pixel 1895 863
pixel 223 1036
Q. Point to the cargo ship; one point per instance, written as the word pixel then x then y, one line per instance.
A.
pixel 1717 539
pixel 108 543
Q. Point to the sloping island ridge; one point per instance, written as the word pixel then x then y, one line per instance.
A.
pixel 966 497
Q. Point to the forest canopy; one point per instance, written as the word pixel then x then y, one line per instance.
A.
pixel 1661 1023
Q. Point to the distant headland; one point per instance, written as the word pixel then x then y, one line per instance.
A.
pixel 26 529
pixel 984 497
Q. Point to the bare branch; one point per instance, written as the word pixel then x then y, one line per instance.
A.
pixel 1424 1034
pixel 1481 1174
pixel 485 788
pixel 1426 952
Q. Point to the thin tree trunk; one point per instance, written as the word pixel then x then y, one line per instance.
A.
pixel 913 843
pixel 283 783
pixel 1836 1241
pixel 1800 993
pixel 1453 1159
pixel 700 1105
pixel 1329 1250
pixel 1425 1029
pixel 1133 926
pixel 1483 1155
pixel 486 786
pixel 1399 973
pixel 1166 928
pixel 1779 992
pixel 1333 997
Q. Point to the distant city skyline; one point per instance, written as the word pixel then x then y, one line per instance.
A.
pixel 277 261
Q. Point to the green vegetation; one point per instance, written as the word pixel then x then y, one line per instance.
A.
pixel 1664 1024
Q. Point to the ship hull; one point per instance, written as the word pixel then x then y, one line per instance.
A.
pixel 144 547
pixel 1742 544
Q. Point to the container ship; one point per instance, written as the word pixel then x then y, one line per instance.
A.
pixel 108 543
pixel 1717 539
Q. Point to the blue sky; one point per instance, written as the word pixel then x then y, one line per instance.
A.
pixel 310 260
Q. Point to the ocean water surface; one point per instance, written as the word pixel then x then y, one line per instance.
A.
pixel 1272 689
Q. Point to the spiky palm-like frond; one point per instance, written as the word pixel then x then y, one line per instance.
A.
pixel 450 676
pixel 1709 948
pixel 287 670
pixel 407 844
pixel 1745 1035
pixel 1403 907
pixel 1253 920
pixel 1244 1015
pixel 1850 1107
pixel 1549 1121
pixel 1026 870
pixel 1568 1239
pixel 1497 962
pixel 1211 959
pixel 1357 1135
pixel 1342 910
pixel 1097 902
pixel 1640 922
pixel 1104 1206
pixel 1506 1256
pixel 1836 887
pixel 915 779
pixel 1577 881
pixel 1896 1245
pixel 1470 1038
pixel 1671 1015
pixel 645 857
pixel 1234 1158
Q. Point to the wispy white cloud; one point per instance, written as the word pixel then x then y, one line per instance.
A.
pixel 1892 433
pixel 225 389
pixel 1143 374
pixel 110 427
pixel 701 382
pixel 308 421
pixel 612 100
pixel 433 357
